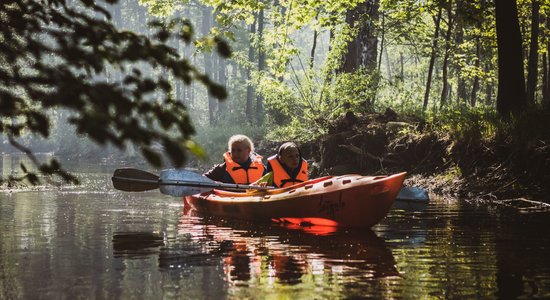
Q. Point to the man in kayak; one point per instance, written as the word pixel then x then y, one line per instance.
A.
pixel 286 168
pixel 241 164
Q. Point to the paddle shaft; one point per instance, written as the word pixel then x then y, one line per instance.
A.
pixel 135 180
pixel 192 183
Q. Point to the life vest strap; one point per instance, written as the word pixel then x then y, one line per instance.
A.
pixel 241 167
pixel 284 181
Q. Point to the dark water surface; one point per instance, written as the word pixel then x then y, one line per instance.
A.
pixel 93 242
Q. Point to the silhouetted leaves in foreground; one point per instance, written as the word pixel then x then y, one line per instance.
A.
pixel 53 55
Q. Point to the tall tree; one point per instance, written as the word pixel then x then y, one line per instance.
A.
pixel 314 44
pixel 445 67
pixel 532 67
pixel 249 88
pixel 546 71
pixel 208 59
pixel 437 21
pixel 459 39
pixel 477 63
pixel 261 67
pixel 511 97
pixel 362 51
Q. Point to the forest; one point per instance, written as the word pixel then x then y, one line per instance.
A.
pixel 454 91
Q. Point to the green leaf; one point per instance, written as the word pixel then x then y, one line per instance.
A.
pixel 195 148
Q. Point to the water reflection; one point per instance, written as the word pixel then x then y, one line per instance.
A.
pixel 93 242
pixel 136 244
pixel 266 253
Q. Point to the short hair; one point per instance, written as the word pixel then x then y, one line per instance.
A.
pixel 288 145
pixel 240 138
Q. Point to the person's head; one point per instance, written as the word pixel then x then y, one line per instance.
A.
pixel 240 146
pixel 289 155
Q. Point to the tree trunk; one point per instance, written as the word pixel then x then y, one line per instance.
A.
pixel 475 84
pixel 432 59
pixel 383 29
pixel 450 21
pixel 388 65
pixel 402 71
pixel 461 92
pixel 314 46
pixel 546 75
pixel 249 88
pixel 511 80
pixel 544 79
pixel 489 88
pixel 261 67
pixel 532 67
pixel 191 91
pixel 205 29
pixel 362 51
pixel 179 50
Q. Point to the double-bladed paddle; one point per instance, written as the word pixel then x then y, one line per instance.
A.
pixel 174 182
pixel 177 182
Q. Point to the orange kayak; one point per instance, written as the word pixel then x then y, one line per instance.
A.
pixel 348 201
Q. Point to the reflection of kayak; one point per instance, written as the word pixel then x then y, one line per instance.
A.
pixel 349 200
pixel 264 250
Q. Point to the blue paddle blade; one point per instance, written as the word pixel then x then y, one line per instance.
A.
pixel 411 199
pixel 181 182
pixel 413 193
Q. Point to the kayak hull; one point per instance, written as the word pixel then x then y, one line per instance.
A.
pixel 348 201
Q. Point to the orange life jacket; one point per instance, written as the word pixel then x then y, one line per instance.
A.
pixel 281 178
pixel 241 175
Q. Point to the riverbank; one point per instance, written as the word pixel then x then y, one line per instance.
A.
pixel 464 167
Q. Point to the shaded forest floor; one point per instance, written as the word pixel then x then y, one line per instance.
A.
pixel 467 168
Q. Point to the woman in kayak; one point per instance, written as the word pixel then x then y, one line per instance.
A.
pixel 286 168
pixel 241 164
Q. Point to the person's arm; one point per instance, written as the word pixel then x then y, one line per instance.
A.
pixel 216 173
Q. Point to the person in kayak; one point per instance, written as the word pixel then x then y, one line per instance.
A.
pixel 286 168
pixel 241 164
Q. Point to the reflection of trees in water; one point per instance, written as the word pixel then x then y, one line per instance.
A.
pixel 136 244
pixel 10 287
pixel 289 269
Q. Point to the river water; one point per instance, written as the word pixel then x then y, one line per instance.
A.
pixel 93 242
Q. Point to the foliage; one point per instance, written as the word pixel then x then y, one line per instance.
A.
pixel 401 96
pixel 304 115
pixel 53 56
pixel 529 128
pixel 462 121
pixel 278 42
